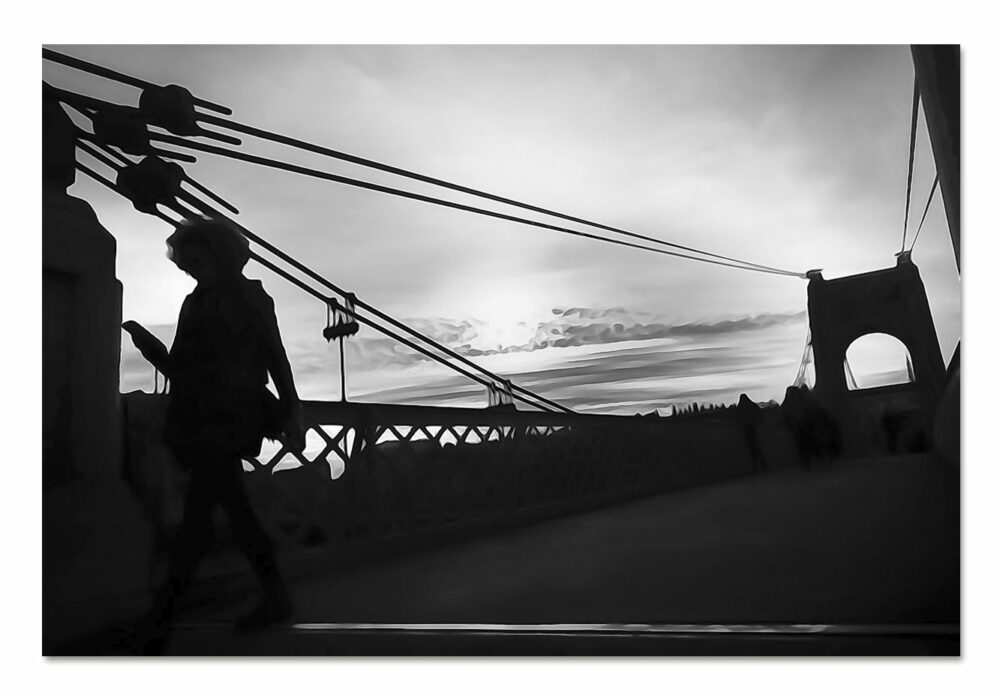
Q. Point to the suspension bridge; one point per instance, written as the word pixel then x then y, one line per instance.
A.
pixel 376 480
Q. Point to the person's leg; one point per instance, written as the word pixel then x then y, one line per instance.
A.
pixel 186 550
pixel 252 540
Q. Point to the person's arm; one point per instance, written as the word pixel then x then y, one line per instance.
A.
pixel 277 363
pixel 281 373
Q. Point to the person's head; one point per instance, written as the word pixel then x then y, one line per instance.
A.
pixel 208 250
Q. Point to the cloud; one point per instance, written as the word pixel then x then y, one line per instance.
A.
pixel 584 326
pixel 652 375
pixel 589 358
pixel 569 327
pixel 581 326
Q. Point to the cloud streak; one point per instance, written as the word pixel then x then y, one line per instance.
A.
pixel 568 327
pixel 589 358
pixel 607 360
pixel 581 326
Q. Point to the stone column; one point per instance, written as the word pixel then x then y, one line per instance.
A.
pixel 95 558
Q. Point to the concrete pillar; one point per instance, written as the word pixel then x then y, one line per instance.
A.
pixel 95 558
pixel 81 339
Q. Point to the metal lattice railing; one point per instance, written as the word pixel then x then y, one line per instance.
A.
pixel 371 470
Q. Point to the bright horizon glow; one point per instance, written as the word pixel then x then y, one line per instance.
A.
pixel 508 313
pixel 877 360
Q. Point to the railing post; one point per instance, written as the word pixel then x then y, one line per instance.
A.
pixel 343 374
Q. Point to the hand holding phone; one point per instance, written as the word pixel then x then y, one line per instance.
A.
pixel 150 346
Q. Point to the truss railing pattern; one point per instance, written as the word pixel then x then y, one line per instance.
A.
pixel 375 470
pixel 370 471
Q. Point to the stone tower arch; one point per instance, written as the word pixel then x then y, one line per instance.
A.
pixel 889 301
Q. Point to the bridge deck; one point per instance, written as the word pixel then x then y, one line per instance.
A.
pixel 871 542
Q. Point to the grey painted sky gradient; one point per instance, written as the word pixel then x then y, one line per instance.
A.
pixel 788 156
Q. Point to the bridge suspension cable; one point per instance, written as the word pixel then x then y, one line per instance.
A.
pixel 923 217
pixel 321 150
pixel 489 380
pixel 914 113
pixel 108 73
pixel 318 174
pixel 85 104
pixel 704 256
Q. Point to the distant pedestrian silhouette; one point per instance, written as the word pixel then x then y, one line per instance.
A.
pixel 816 433
pixel 219 411
pixel 748 414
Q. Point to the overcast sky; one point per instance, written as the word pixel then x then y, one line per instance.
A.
pixel 787 156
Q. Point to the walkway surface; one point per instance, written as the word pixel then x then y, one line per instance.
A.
pixel 871 543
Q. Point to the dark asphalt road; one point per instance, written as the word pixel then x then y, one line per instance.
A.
pixel 866 542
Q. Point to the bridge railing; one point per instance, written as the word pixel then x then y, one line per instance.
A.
pixel 373 470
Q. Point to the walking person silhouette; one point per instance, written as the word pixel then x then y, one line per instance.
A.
pixel 227 343
pixel 748 415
